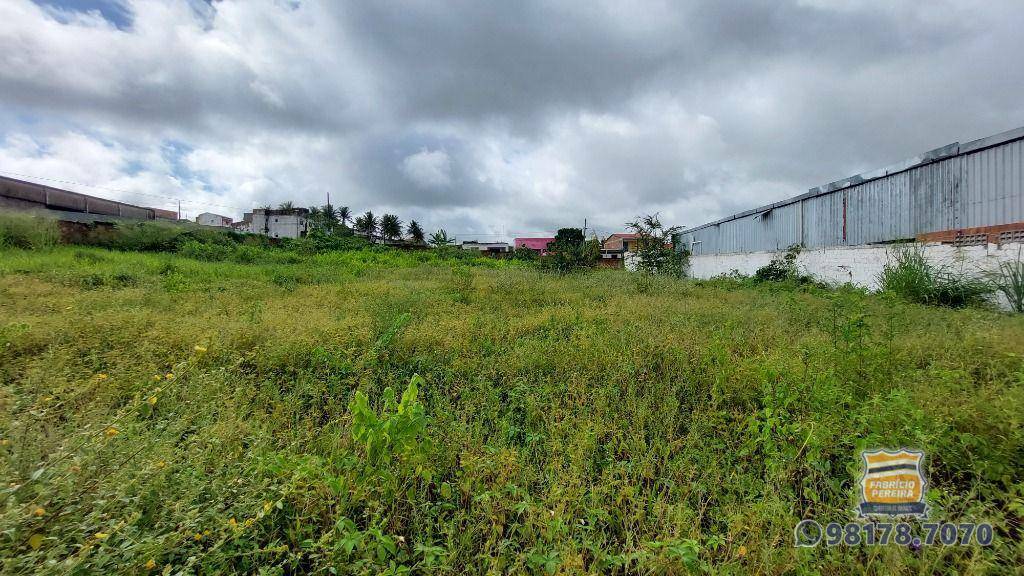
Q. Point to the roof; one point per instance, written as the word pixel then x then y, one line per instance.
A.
pixel 533 243
pixel 623 235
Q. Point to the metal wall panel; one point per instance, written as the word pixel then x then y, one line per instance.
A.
pixel 23 191
pixel 65 200
pixel 992 186
pixel 878 210
pixel 101 206
pixel 980 183
pixel 934 196
pixel 823 220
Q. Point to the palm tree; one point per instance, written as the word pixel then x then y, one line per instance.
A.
pixel 390 227
pixel 329 216
pixel 286 205
pixel 367 224
pixel 415 232
pixel 440 239
pixel 344 215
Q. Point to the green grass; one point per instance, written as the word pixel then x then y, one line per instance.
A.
pixel 563 424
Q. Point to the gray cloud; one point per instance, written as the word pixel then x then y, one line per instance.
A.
pixel 482 118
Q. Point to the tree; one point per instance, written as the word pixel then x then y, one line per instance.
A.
pixel 655 252
pixel 286 205
pixel 390 227
pixel 344 215
pixel 323 218
pixel 415 232
pixel 571 251
pixel 568 237
pixel 367 224
pixel 440 239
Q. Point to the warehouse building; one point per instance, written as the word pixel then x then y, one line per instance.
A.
pixel 964 202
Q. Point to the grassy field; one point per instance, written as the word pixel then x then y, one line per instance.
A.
pixel 162 414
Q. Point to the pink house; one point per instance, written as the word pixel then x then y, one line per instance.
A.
pixel 539 245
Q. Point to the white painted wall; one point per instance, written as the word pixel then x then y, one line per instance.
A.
pixel 859 265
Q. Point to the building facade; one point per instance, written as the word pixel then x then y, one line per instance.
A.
pixel 955 187
pixel 211 219
pixel 280 223
pixel 538 245
pixel 968 198
pixel 487 248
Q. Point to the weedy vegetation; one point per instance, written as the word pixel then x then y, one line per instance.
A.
pixel 368 411
pixel 911 276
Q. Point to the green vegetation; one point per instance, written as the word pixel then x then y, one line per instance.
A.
pixel 1008 279
pixel 656 253
pixel 914 278
pixel 571 252
pixel 369 411
pixel 25 231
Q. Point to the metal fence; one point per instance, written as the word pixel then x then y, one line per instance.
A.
pixel 980 183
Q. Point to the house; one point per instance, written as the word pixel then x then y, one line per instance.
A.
pixel 280 223
pixel 211 219
pixel 538 245
pixel 617 245
pixel 488 248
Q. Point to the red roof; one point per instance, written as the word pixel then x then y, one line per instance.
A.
pixel 533 243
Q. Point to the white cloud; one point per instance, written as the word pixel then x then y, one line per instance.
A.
pixel 428 168
pixel 459 119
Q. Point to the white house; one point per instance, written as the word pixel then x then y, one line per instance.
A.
pixel 211 219
pixel 282 223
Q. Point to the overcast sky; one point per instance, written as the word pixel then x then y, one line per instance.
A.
pixel 491 118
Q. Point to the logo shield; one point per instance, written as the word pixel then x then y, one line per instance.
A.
pixel 893 483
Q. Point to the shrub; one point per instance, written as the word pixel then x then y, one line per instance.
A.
pixel 1008 279
pixel 207 252
pixel 656 253
pixel 910 276
pixel 783 269
pixel 27 231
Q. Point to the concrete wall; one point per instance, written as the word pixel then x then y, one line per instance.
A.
pixel 858 265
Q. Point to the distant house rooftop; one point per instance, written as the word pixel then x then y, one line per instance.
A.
pixel 536 244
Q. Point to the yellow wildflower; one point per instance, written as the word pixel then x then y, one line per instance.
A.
pixel 161 464
pixel 199 349
pixel 39 512
pixel 157 377
pixel 150 564
pixel 169 376
pixel 742 551
pixel 101 535
pixel 101 376
pixel 152 400
pixel 197 536
pixel 267 505
pixel 111 432
pixel 233 523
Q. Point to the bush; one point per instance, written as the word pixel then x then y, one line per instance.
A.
pixel 783 269
pixel 910 276
pixel 1009 280
pixel 207 252
pixel 27 232
pixel 570 252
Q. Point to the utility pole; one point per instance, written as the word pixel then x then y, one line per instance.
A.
pixel 179 209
